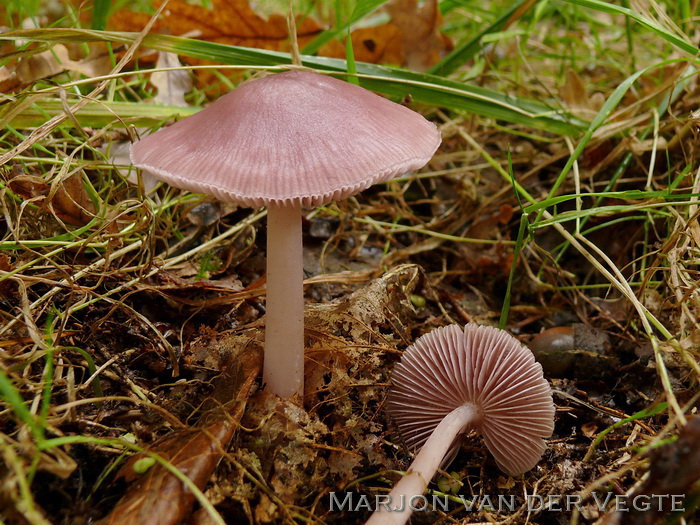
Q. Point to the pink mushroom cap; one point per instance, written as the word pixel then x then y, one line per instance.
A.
pixel 291 138
pixel 487 368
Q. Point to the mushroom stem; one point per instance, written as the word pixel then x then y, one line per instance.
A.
pixel 427 461
pixel 283 368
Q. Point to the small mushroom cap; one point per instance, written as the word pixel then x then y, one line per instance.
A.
pixel 483 366
pixel 290 138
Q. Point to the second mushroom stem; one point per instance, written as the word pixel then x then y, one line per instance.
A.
pixel 399 503
pixel 283 369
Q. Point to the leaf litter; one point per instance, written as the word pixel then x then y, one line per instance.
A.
pixel 157 496
pixel 167 294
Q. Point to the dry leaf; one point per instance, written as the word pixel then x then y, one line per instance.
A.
pixel 378 45
pixel 157 496
pixel 96 63
pixel 411 39
pixel 39 65
pixel 575 96
pixel 231 22
pixel 589 429
pixel 423 43
pixel 299 451
pixel 71 202
pixel 68 199
pixel 305 452
pixel 171 85
pixel 35 66
pixel 9 80
pixel 287 439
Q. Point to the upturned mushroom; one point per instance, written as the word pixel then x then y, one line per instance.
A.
pixel 452 381
pixel 288 141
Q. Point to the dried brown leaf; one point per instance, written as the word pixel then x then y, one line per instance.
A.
pixel 286 443
pixel 379 45
pixel 39 65
pixel 423 43
pixel 67 199
pixel 157 496
pixel 304 453
pixel 577 99
pixel 34 66
pixel 9 80
pixel 171 85
pixel 71 202
pixel 411 39
pixel 231 22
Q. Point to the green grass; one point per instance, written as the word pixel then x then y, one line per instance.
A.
pixel 577 178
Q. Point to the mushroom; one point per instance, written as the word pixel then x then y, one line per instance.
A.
pixel 288 141
pixel 454 380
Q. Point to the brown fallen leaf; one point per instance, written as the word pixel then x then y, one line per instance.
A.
pixel 576 97
pixel 411 39
pixel 9 81
pixel 297 452
pixel 423 43
pixel 231 22
pixel 40 65
pixel 377 45
pixel 67 199
pixel 32 66
pixel 157 497
pixel 172 85
pixel 71 202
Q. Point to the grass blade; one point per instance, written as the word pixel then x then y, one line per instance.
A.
pixel 362 9
pixel 350 59
pixel 651 25
pixel 465 51
pixel 13 398
pixel 642 414
pixel 396 82
pixel 100 12
pixel 96 114
pixel 605 111
pixel 96 385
